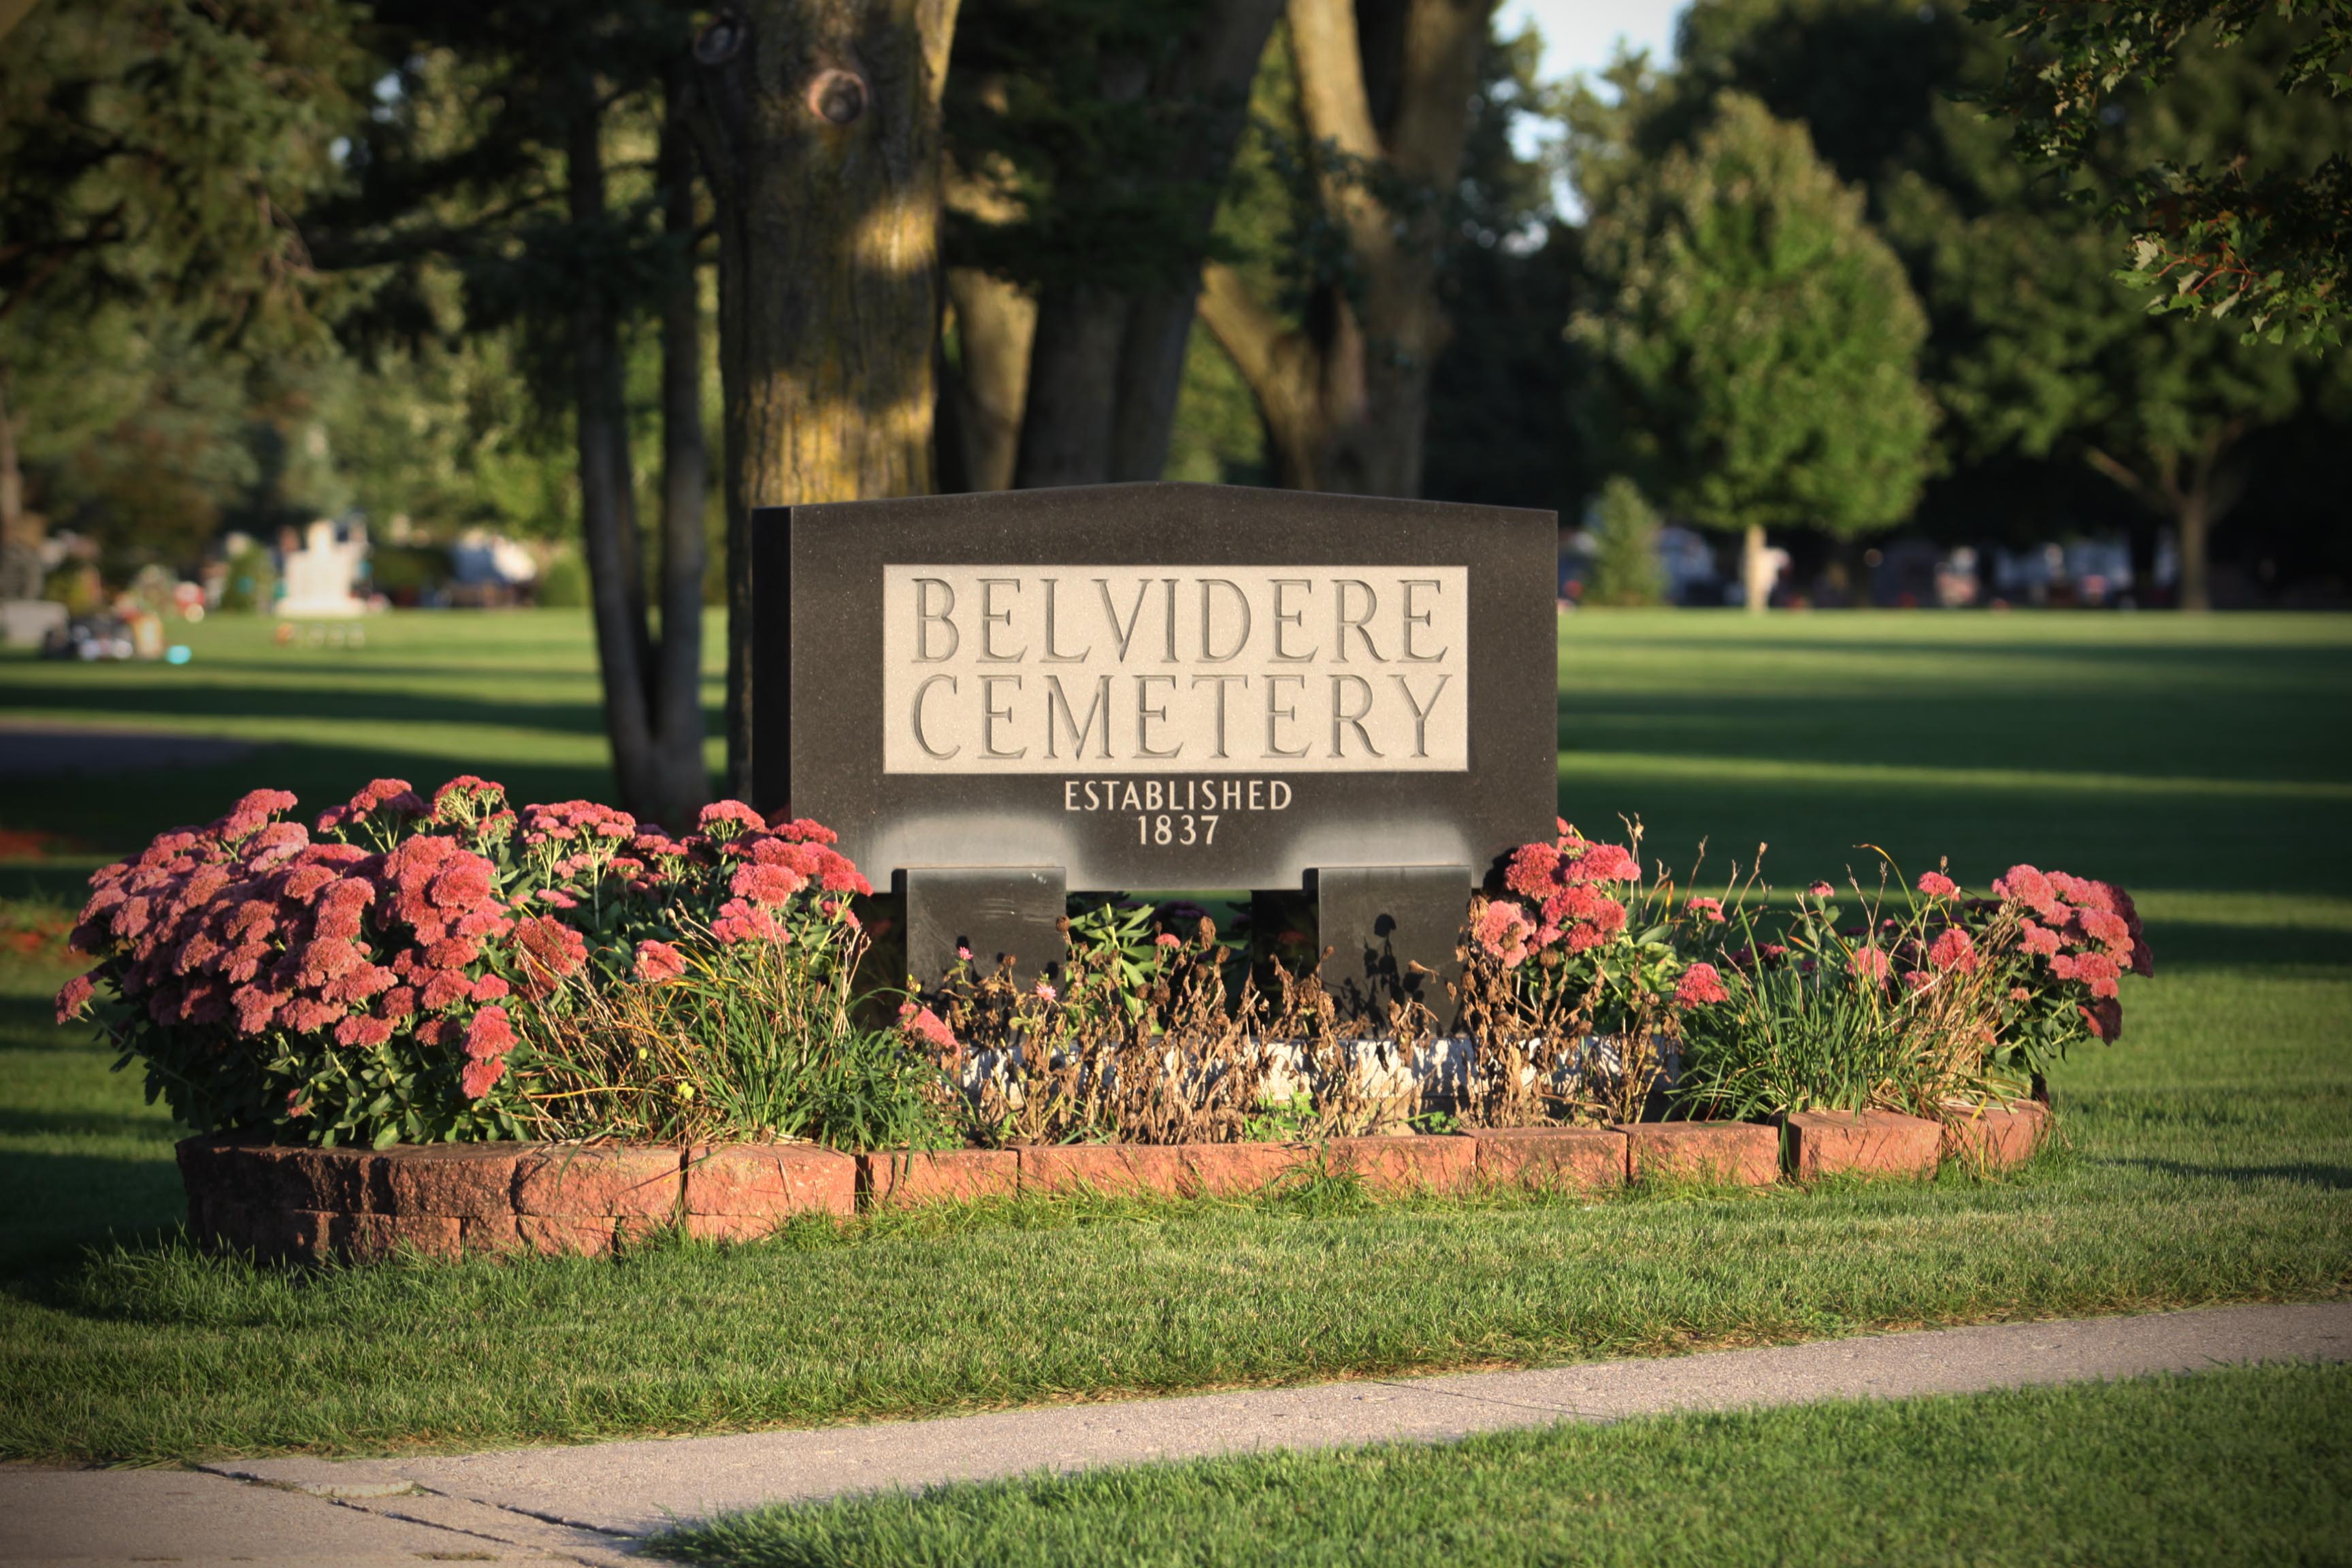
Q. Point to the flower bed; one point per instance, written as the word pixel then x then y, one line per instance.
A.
pixel 453 974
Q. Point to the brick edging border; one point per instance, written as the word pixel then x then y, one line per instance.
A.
pixel 309 1204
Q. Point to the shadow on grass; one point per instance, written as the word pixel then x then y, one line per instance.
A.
pixel 120 813
pixel 1820 829
pixel 420 705
pixel 61 1203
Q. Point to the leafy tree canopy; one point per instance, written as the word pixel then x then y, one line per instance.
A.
pixel 2268 238
pixel 1758 343
pixel 162 153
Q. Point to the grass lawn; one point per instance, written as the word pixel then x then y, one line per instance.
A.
pixel 2208 1158
pixel 2242 1465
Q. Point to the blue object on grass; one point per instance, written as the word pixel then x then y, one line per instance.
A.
pixel 178 653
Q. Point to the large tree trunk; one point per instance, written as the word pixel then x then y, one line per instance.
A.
pixel 1346 396
pixel 995 323
pixel 818 122
pixel 1108 362
pixel 684 784
pixel 608 519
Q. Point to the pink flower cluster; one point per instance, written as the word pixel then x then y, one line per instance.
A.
pixel 1566 884
pixel 1701 984
pixel 926 1029
pixel 2084 932
pixel 248 926
pixel 461 911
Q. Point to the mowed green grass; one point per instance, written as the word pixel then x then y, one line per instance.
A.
pixel 2208 1158
pixel 511 696
pixel 2235 1466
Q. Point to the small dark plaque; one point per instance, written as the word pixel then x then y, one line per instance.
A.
pixel 1159 685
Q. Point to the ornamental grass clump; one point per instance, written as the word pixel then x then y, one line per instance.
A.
pixel 413 969
pixel 1930 1007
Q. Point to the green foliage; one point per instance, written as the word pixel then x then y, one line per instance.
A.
pixel 159 154
pixel 77 586
pixel 1625 566
pixel 2268 240
pixel 1217 436
pixel 407 570
pixel 563 583
pixel 1057 106
pixel 1759 340
pixel 252 582
pixel 749 1043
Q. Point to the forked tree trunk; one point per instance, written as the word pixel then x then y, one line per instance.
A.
pixel 2192 491
pixel 818 122
pixel 1346 396
pixel 652 711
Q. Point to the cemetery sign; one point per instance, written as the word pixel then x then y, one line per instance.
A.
pixel 1156 685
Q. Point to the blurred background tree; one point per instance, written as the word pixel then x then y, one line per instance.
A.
pixel 1625 566
pixel 158 157
pixel 1757 343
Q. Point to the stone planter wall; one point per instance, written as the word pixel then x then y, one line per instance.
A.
pixel 444 1200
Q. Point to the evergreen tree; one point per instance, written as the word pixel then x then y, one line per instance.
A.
pixel 2045 370
pixel 159 158
pixel 1625 566
pixel 1757 342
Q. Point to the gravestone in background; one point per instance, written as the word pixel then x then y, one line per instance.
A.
pixel 1001 697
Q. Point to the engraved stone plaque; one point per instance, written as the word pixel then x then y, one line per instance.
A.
pixel 1158 686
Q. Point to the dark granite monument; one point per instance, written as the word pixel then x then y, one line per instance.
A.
pixel 1004 697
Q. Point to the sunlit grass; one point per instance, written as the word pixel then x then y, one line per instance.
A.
pixel 2208 1158
pixel 2251 1466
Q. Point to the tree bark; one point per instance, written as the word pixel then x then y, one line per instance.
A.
pixel 995 323
pixel 1065 427
pixel 684 784
pixel 608 520
pixel 2193 491
pixel 1346 396
pixel 1756 588
pixel 1108 362
pixel 20 544
pixel 818 123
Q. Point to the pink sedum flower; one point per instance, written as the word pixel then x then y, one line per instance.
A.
pixel 658 962
pixel 1935 885
pixel 73 996
pixel 928 1027
pixel 1701 985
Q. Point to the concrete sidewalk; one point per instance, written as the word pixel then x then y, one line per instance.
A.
pixel 587 1503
